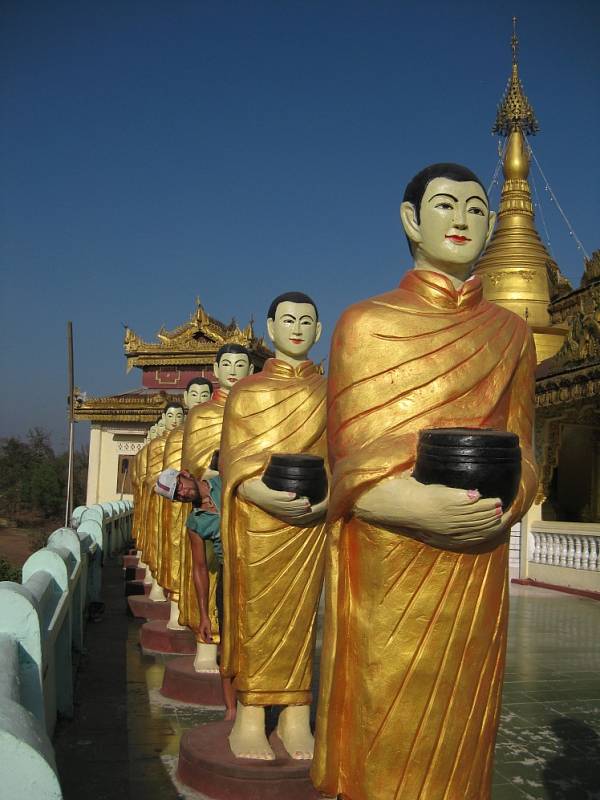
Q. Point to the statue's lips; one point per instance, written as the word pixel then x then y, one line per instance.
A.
pixel 458 239
pixel 297 341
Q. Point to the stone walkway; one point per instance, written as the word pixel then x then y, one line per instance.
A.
pixel 124 740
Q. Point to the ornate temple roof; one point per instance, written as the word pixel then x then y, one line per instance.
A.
pixel 141 405
pixel 184 352
pixel 572 376
pixel 193 343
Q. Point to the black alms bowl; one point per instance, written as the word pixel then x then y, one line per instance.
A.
pixel 301 473
pixel 469 458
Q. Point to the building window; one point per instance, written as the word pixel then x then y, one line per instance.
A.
pixel 124 475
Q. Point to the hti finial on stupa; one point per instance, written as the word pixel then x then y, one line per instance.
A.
pixel 515 111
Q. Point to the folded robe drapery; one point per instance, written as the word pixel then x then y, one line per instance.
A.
pixel 153 508
pixel 273 571
pixel 415 635
pixel 174 515
pixel 201 437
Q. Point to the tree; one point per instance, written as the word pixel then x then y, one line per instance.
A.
pixel 33 478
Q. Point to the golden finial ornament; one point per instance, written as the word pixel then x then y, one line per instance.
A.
pixel 515 111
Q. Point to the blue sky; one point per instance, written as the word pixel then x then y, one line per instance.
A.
pixel 156 151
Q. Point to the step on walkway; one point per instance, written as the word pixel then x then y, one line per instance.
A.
pixel 123 743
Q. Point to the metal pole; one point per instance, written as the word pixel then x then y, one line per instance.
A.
pixel 69 503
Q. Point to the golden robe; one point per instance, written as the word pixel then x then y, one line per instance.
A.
pixel 135 463
pixel 153 509
pixel 174 516
pixel 201 437
pixel 415 636
pixel 273 571
pixel 141 465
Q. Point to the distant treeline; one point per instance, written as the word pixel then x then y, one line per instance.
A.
pixel 33 478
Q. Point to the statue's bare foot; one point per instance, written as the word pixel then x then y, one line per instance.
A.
pixel 247 738
pixel 157 594
pixel 173 623
pixel 206 658
pixel 293 729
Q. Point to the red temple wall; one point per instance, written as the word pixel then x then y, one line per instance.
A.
pixel 173 378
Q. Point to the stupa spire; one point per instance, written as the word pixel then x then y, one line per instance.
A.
pixel 515 267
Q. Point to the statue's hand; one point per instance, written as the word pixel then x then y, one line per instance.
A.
pixel 435 514
pixel 205 630
pixel 209 473
pixel 283 505
pixel 313 515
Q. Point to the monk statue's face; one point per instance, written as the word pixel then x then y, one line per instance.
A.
pixel 160 426
pixel 196 394
pixel 152 433
pixel 173 418
pixel 295 329
pixel 452 228
pixel 231 367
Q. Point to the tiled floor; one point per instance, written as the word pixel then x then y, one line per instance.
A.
pixel 549 739
pixel 548 745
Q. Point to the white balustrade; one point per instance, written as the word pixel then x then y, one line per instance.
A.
pixel 566 548
pixel 41 621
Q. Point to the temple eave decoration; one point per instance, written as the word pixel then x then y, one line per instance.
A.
pixel 122 408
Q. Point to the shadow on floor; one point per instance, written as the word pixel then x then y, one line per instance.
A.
pixel 574 773
pixel 108 752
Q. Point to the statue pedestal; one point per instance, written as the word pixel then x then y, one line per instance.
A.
pixel 142 608
pixel 157 637
pixel 207 764
pixel 134 573
pixel 182 682
pixel 130 561
pixel 137 588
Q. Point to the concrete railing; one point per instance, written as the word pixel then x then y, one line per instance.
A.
pixel 565 554
pixel 41 621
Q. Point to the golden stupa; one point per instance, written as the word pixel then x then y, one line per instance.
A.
pixel 516 268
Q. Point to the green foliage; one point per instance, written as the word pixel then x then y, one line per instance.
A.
pixel 8 572
pixel 33 479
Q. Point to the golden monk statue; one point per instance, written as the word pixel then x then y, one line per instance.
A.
pixel 273 542
pixel 417 591
pixel 201 437
pixel 172 417
pixel 140 501
pixel 174 515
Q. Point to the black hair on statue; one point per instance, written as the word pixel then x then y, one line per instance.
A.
pixel 173 404
pixel 201 382
pixel 232 348
pixel 455 172
pixel 291 297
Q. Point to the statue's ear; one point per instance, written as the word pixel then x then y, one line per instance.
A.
pixel 251 370
pixel 216 370
pixel 271 329
pixel 408 217
pixel 318 331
